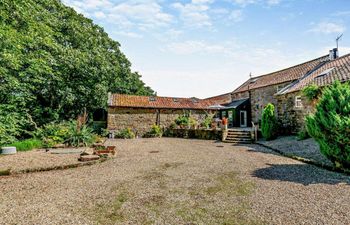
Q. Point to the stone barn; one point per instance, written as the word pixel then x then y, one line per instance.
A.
pixel 141 112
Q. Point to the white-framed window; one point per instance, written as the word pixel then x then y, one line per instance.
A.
pixel 298 102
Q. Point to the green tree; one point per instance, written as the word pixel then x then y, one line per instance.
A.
pixel 269 122
pixel 330 124
pixel 55 62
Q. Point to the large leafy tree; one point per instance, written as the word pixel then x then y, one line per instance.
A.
pixel 330 124
pixel 54 63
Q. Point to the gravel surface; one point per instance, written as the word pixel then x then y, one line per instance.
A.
pixel 179 181
pixel 36 159
pixel 308 148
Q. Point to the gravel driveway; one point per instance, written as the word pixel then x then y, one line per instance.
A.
pixel 179 181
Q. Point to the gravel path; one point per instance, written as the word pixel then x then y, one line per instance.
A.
pixel 308 148
pixel 179 181
pixel 36 160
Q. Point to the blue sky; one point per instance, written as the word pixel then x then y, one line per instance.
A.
pixel 204 48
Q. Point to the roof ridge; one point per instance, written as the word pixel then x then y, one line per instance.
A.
pixel 277 71
pixel 147 96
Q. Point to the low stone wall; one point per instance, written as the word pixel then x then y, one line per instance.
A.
pixel 194 134
pixel 141 120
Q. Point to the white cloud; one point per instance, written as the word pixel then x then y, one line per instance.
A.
pixel 236 15
pixel 195 13
pixel 327 28
pixel 137 13
pixel 128 34
pixel 196 47
pixel 273 2
pixel 244 3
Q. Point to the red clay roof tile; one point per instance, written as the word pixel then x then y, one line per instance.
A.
pixel 120 100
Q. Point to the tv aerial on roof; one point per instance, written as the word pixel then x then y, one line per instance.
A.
pixel 338 39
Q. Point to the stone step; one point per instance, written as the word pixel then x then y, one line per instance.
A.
pixel 238 132
pixel 239 135
pixel 239 139
pixel 237 142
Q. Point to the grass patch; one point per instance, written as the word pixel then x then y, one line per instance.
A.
pixel 230 184
pixel 112 213
pixel 27 145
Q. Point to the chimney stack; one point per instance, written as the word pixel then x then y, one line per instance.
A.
pixel 333 54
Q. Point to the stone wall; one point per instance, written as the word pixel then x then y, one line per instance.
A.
pixel 239 95
pixel 260 97
pixel 290 117
pixel 141 120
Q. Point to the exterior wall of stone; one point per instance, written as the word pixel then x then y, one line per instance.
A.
pixel 141 120
pixel 239 95
pixel 260 97
pixel 290 117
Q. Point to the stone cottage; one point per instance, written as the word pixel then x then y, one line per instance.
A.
pixel 261 90
pixel 141 112
pixel 293 106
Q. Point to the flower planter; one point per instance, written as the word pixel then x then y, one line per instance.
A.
pixel 8 150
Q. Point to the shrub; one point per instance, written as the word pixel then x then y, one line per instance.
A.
pixel 172 125
pixel 53 133
pixel 268 122
pixel 312 92
pixel 11 123
pixel 207 121
pixel 27 145
pixel 155 131
pixel 79 135
pixel 182 120
pixel 126 134
pixel 330 124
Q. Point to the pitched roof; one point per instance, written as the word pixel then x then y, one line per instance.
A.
pixel 338 69
pixel 221 99
pixel 281 76
pixel 156 102
pixel 236 103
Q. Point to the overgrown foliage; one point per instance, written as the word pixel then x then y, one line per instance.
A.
pixel 330 124
pixel 54 63
pixel 312 92
pixel 269 122
pixel 155 131
pixel 125 134
pixel 186 121
pixel 68 133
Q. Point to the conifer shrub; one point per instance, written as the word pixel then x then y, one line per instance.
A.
pixel 312 92
pixel 330 124
pixel 269 122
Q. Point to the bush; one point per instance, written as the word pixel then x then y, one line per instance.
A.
pixel 79 135
pixel 207 121
pixel 125 134
pixel 182 120
pixel 53 133
pixel 155 131
pixel 11 124
pixel 27 145
pixel 172 125
pixel 330 124
pixel 268 122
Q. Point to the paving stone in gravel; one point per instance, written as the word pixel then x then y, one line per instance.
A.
pixel 179 181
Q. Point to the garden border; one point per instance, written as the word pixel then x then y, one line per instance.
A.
pixel 8 172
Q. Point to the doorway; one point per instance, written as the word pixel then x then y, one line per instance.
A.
pixel 243 118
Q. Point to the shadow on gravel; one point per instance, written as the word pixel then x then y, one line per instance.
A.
pixel 300 173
